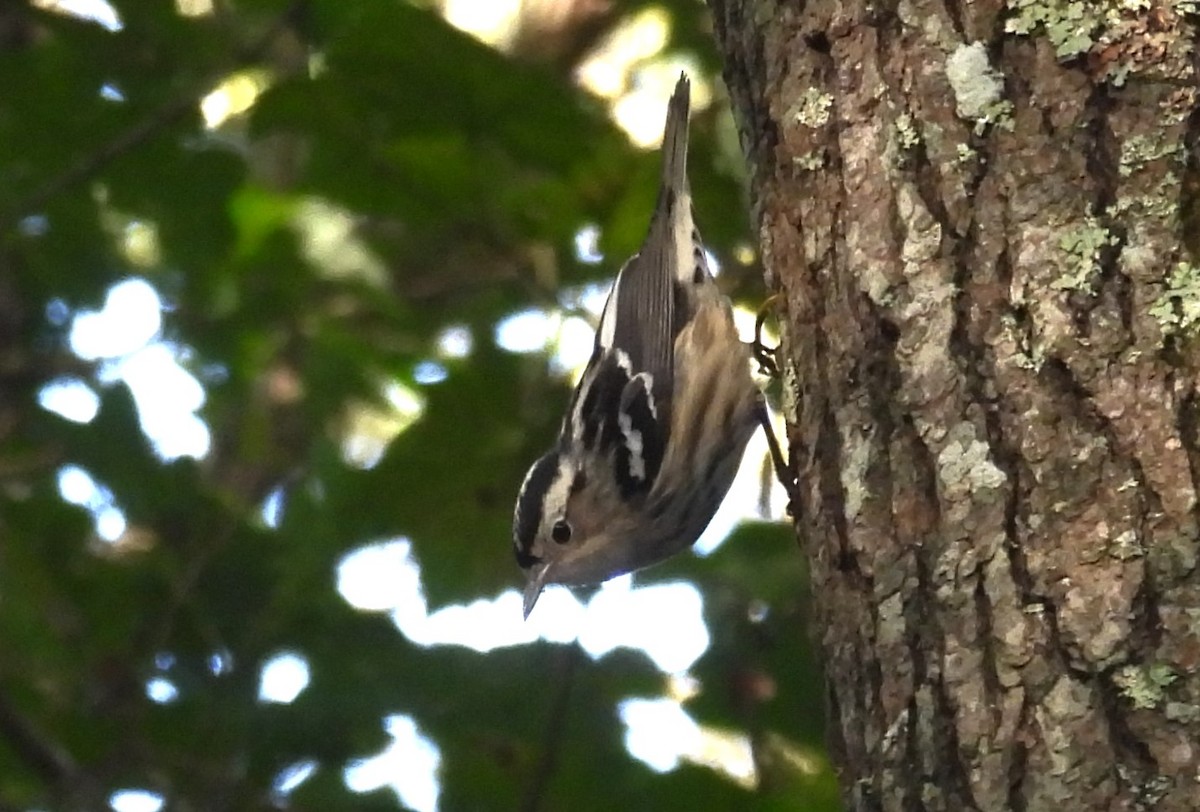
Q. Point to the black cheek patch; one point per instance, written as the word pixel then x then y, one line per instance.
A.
pixel 528 514
pixel 579 483
pixel 525 560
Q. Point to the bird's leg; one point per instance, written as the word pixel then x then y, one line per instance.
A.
pixel 767 364
pixel 783 471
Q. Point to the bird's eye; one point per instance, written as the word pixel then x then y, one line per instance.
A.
pixel 561 532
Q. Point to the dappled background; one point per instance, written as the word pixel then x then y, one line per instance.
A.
pixel 290 297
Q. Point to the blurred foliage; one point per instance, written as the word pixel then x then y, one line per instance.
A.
pixel 465 173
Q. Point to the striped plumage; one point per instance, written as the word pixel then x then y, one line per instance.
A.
pixel 662 414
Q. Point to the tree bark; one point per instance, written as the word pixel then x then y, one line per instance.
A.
pixel 973 212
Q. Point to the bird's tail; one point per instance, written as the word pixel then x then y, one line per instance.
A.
pixel 675 139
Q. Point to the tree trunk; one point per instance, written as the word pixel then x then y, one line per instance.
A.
pixel 973 212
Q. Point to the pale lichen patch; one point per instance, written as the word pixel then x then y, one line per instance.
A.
pixel 1083 246
pixel 1139 150
pixel 1182 712
pixel 811 161
pixel 1143 685
pixel 907 136
pixel 813 108
pixel 1177 309
pixel 1070 26
pixel 978 87
pixel 964 464
pixel 1120 37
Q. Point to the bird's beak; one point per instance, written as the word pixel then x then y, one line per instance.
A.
pixel 533 589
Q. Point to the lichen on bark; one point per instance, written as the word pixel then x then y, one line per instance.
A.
pixel 990 341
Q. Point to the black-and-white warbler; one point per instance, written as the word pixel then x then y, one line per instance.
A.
pixel 661 417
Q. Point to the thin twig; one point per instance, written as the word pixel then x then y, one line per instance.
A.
pixel 46 758
pixel 88 166
pixel 564 676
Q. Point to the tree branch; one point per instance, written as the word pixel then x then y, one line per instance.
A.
pixel 90 165
pixel 47 759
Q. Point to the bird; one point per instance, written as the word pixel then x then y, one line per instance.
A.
pixel 658 423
